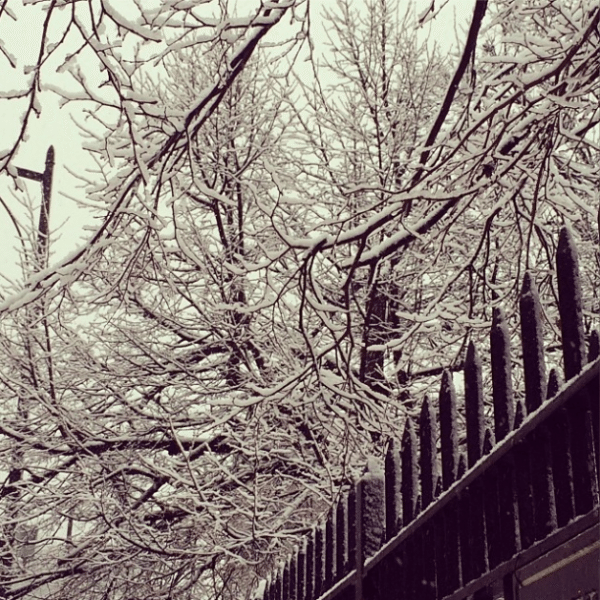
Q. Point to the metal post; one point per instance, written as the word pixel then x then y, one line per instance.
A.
pixel 45 179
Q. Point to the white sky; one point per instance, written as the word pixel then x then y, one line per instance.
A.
pixel 55 127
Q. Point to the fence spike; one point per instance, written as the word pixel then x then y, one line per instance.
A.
pixel 570 304
pixel 393 497
pixel 268 592
pixel 439 488
pixel 554 383
pixel 341 541
pixel 277 587
pixel 533 344
pixel 293 571
pixel 519 414
pixel 501 375
pixel 373 508
pixel 301 571
pixel 488 441
pixel 427 458
pixel 474 404
pixel 449 437
pixel 410 481
pixel 462 466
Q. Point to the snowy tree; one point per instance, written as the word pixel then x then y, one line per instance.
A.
pixel 479 200
pixel 277 267
pixel 380 87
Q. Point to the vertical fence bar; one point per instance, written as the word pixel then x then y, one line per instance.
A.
pixel 525 495
pixel 441 543
pixel 393 473
pixel 373 509
pixel 535 390
pixel 508 509
pixel 277 587
pixel 429 559
pixel 341 545
pixel 330 543
pixel 427 457
pixel 570 304
pixel 594 394
pixel 419 565
pixel 293 570
pixel 594 346
pixel 573 340
pixel 501 375
pixel 593 354
pixel 410 578
pixel 583 455
pixel 352 520
pixel 464 507
pixel 474 521
pixel 410 480
pixel 285 582
pixel 532 341
pixel 477 525
pixel 358 542
pixel 401 575
pixel 452 560
pixel 319 562
pixel 448 433
pixel 543 483
pixel 373 521
pixel 562 468
pixel 474 404
pixel 301 572
pixel 310 566
pixel 491 503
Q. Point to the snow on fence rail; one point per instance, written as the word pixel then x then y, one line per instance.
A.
pixel 407 532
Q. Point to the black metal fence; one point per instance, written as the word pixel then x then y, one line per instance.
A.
pixel 518 513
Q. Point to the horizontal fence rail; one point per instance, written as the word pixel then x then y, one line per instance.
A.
pixel 431 525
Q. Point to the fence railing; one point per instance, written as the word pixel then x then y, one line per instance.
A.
pixel 415 530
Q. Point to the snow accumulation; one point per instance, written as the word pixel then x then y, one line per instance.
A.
pixel 132 25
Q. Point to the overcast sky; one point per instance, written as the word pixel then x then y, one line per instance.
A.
pixel 55 126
